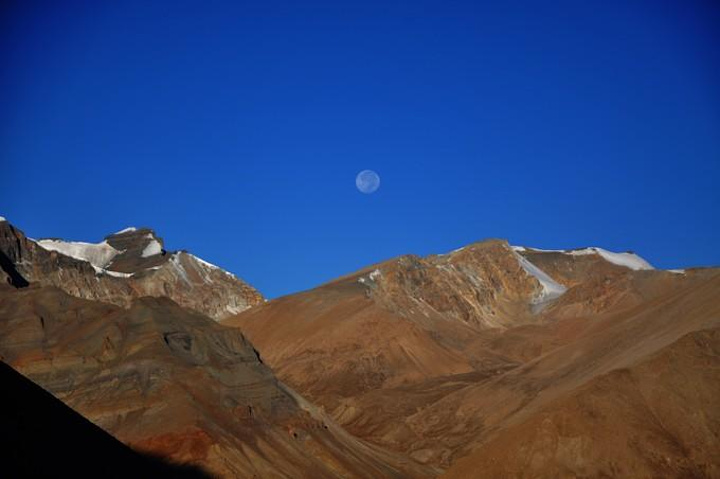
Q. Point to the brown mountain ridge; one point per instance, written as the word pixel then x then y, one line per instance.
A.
pixel 489 361
pixel 440 357
pixel 127 265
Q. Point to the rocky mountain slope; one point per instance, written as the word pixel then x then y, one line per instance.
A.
pixel 413 318
pixel 128 264
pixel 175 383
pixel 113 330
pixel 656 416
pixel 439 357
pixel 489 361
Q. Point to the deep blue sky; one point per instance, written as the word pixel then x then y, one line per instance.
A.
pixel 236 129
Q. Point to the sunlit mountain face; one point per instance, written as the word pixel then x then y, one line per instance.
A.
pixel 360 240
pixel 411 367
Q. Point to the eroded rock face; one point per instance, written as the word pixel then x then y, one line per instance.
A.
pixel 482 285
pixel 127 265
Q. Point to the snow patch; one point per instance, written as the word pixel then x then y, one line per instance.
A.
pixel 175 261
pixel 452 252
pixel 204 263
pixel 234 308
pixel 546 250
pixel 2 218
pixel 129 229
pixel 676 271
pixel 200 265
pixel 97 254
pixel 551 289
pixel 627 260
pixel 372 277
pixel 153 248
pixel 116 274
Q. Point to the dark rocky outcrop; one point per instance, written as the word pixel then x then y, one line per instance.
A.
pixel 41 437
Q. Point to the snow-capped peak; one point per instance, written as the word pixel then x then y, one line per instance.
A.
pixel 2 218
pixel 97 254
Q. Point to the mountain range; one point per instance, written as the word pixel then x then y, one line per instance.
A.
pixel 492 360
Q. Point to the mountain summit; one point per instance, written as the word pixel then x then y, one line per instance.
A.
pixel 125 265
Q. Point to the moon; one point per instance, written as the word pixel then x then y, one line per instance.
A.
pixel 367 181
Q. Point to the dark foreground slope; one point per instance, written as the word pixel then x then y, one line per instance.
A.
pixel 41 437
